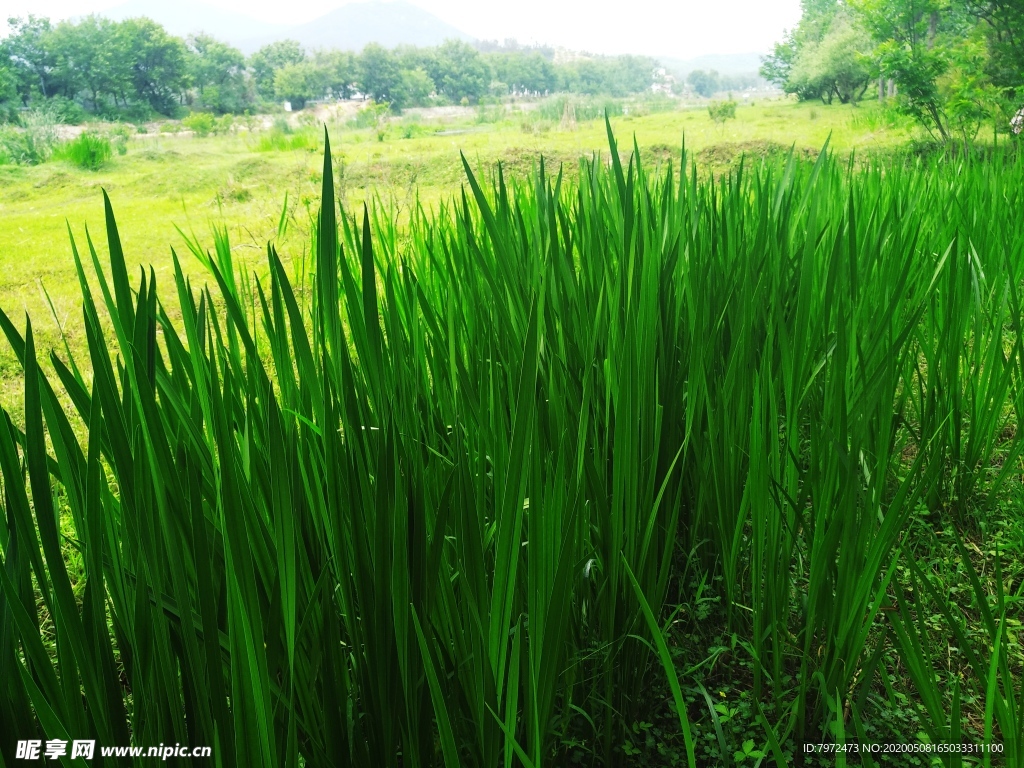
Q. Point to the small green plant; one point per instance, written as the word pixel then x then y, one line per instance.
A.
pixel 747 752
pixel 120 135
pixel 376 116
pixel 37 138
pixel 200 123
pixel 88 150
pixel 721 111
pixel 276 140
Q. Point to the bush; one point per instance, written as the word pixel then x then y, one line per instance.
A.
pixel 200 123
pixel 88 150
pixel 278 141
pixel 35 141
pixel 721 111
pixel 120 135
pixel 68 111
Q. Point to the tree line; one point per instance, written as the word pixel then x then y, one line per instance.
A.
pixel 131 69
pixel 953 65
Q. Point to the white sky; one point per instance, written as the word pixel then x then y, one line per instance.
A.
pixel 683 28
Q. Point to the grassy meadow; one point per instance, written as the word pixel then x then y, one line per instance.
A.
pixel 626 458
pixel 171 181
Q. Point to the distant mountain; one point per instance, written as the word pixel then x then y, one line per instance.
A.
pixel 185 17
pixel 723 63
pixel 352 26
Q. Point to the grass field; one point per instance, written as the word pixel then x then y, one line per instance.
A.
pixel 167 181
pixel 625 468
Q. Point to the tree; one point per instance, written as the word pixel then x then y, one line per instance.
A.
pixel 266 62
pixel 29 48
pixel 85 57
pixel 217 72
pixel 835 67
pixel 1002 25
pixel 8 90
pixel 525 72
pixel 336 72
pixel 720 111
pixel 816 19
pixel 157 63
pixel 459 71
pixel 379 74
pixel 631 74
pixel 298 83
pixel 415 89
pixel 934 52
pixel 703 82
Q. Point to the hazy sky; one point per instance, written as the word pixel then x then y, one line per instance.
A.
pixel 683 28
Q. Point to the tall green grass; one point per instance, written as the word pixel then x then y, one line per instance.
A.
pixel 90 151
pixel 434 502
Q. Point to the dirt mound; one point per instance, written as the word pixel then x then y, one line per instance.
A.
pixel 729 154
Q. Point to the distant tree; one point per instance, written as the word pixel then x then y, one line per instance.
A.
pixel 298 83
pixel 631 74
pixel 459 71
pixel 529 72
pixel 218 74
pixel 157 63
pixel 86 58
pixel 415 88
pixel 335 72
pixel 777 68
pixel 266 62
pixel 704 82
pixel 8 89
pixel 837 66
pixel 29 47
pixel 380 75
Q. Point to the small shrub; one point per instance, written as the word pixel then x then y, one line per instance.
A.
pixel 278 141
pixel 66 111
pixel 226 124
pixel 200 123
pixel 88 150
pixel 35 142
pixel 411 128
pixel 375 116
pixel 721 111
pixel 168 128
pixel 119 137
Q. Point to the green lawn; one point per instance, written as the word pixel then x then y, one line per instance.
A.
pixel 166 181
pixel 748 448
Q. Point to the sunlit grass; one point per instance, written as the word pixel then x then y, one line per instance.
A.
pixel 437 495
